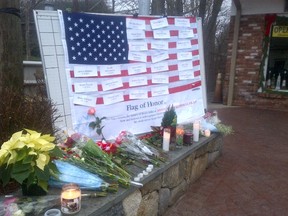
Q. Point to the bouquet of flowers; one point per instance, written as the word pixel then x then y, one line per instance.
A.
pixel 85 180
pixel 83 152
pixel 136 149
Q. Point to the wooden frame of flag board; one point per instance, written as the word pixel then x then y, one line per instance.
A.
pixel 130 69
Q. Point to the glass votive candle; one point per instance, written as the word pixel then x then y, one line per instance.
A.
pixel 70 199
pixel 188 137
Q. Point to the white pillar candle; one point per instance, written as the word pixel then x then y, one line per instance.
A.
pixel 207 133
pixel 166 139
pixel 196 129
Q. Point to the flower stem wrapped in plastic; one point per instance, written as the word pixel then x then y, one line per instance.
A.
pixel 84 179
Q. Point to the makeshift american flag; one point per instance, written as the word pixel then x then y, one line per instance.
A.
pixel 139 64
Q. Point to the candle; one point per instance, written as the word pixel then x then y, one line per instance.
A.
pixel 137 179
pixel 151 166
pixel 207 133
pixel 149 169
pixel 166 139
pixel 53 212
pixel 196 129
pixel 145 173
pixel 188 137
pixel 70 199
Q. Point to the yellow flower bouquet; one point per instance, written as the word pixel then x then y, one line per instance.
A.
pixel 27 159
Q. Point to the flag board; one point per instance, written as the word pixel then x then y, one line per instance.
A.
pixel 130 69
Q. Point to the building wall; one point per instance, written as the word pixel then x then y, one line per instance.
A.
pixel 249 57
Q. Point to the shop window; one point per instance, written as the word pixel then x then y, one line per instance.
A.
pixel 276 77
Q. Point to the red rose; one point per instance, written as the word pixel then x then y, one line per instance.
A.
pixel 91 111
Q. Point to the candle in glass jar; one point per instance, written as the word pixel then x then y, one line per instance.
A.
pixel 188 137
pixel 70 199
pixel 196 130
pixel 166 139
pixel 207 133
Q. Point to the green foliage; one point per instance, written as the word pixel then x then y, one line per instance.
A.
pixel 170 117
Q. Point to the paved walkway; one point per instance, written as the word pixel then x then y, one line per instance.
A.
pixel 251 177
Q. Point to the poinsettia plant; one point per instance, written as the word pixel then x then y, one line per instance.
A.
pixel 27 157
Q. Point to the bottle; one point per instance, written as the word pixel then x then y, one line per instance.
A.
pixel 284 80
pixel 273 82
pixel 268 80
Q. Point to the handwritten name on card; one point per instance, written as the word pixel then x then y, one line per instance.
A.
pixel 159 23
pixel 85 87
pixel 84 100
pixel 135 24
pixel 182 22
pixel 85 71
pixel 110 70
pixel 159 90
pixel 136 68
pixel 135 34
pixel 113 98
pixel 138 94
pixel 110 84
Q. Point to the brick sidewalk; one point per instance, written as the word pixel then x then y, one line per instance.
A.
pixel 251 177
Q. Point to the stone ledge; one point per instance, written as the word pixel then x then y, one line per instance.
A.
pixel 162 187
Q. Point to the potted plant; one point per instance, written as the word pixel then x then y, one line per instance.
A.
pixel 169 120
pixel 27 158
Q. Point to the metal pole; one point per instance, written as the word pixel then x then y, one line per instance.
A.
pixel 144 7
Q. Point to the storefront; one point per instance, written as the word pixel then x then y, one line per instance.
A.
pixel 257 61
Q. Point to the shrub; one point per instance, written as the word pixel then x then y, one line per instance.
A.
pixel 19 111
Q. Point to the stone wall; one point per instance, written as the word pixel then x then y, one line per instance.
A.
pixel 249 57
pixel 162 187
pixel 161 192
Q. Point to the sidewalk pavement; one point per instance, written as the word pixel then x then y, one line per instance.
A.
pixel 251 176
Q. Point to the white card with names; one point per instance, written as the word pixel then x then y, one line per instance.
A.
pixel 135 23
pixel 160 78
pixel 183 44
pixel 110 70
pixel 137 56
pixel 110 84
pixel 160 66
pixel 135 34
pixel 86 87
pixel 84 100
pixel 159 23
pixel 138 81
pixel 161 34
pixel 159 90
pixel 186 33
pixel 138 46
pixel 113 98
pixel 185 65
pixel 136 68
pixel 85 71
pixel 138 94
pixel 182 22
pixel 160 45
pixel 159 56
pixel 186 75
pixel 184 56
